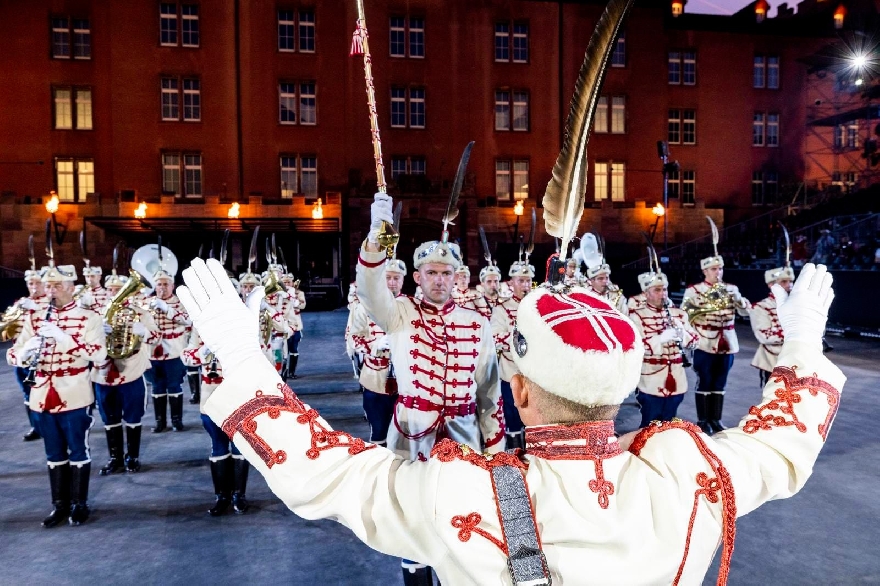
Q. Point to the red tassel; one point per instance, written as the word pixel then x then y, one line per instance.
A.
pixel 157 351
pixel 112 372
pixel 391 386
pixel 671 387
pixel 723 346
pixel 53 401
pixel 357 43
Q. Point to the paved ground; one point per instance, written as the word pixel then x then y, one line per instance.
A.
pixel 152 527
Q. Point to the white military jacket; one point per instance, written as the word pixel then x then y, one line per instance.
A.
pixel 196 355
pixel 768 331
pixel 62 377
pixel 114 372
pixel 613 294
pixel 174 328
pixel 649 509
pixel 463 297
pixel 662 372
pixel 503 321
pixel 482 303
pixel 365 335
pixel 717 333
pixel 297 304
pixel 100 298
pixel 447 373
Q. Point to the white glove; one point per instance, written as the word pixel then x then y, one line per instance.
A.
pixel 107 328
pixel 139 329
pixel 382 347
pixel 30 348
pixel 734 292
pixel 668 335
pixel 86 300
pixel 203 353
pixel 295 303
pixel 264 306
pixel 380 212
pixel 51 330
pixel 255 300
pixel 28 304
pixel 225 324
pixel 803 312
pixel 160 305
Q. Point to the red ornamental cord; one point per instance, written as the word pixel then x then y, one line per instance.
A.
pixel 708 487
pixel 787 398
pixel 447 450
pixel 243 421
pixel 467 524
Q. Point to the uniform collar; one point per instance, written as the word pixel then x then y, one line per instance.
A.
pixel 581 441
pixel 429 307
pixel 68 306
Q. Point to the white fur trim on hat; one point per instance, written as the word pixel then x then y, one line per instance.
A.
pixel 113 280
pixel 463 270
pixel 652 279
pixel 395 265
pixel 32 274
pixel 521 269
pixel 92 270
pixel 60 273
pixel 778 273
pixel 438 252
pixel 595 271
pixel 248 279
pixel 163 274
pixel 489 270
pixel 576 346
pixel 711 261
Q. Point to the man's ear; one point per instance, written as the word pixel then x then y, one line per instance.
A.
pixel 416 276
pixel 520 391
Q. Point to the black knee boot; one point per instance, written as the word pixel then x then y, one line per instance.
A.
pixel 159 403
pixel 240 470
pixel 132 462
pixel 34 433
pixel 195 387
pixel 417 575
pixel 59 482
pixel 701 400
pixel 221 474
pixel 291 367
pixel 114 446
pixel 175 405
pixel 716 406
pixel 79 493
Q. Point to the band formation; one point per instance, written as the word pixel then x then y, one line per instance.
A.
pixel 492 457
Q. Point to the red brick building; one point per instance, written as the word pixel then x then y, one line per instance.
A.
pixel 190 106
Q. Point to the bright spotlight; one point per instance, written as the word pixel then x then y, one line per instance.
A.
pixel 859 61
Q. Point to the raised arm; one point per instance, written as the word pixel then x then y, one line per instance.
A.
pixel 373 293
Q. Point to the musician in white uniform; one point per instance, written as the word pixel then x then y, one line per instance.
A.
pixel 765 323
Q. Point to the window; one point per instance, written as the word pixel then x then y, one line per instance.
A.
pixel 682 127
pixel 407 166
pixel 296 30
pixel 71 37
pixel 74 179
pixel 191 99
pixel 502 41
pixel 515 35
pixel 307 104
pixel 407 37
pixel 846 136
pixel 766 72
pixel 765 187
pixel 73 108
pixel 610 181
pixel 682 68
pixel 511 180
pixel 758 129
pixel 765 129
pixel 292 93
pixel 847 179
pixel 600 120
pixel 299 175
pixel 618 114
pixel 416 99
pixel 289 183
pixel 512 115
pixel 187 166
pixel 673 183
pixel 688 187
pixel 306 31
pixel 618 56
pixel 178 24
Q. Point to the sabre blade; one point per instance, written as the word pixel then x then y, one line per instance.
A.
pixel 283 260
pixel 487 254
pixel 715 237
pixel 274 250
pixel 452 205
pixel 787 245
pixel 224 246
pixel 531 245
pixel 31 257
pixel 252 254
pixel 50 252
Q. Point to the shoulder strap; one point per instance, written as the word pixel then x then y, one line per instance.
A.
pixel 525 560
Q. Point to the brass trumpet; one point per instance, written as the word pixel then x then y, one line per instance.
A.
pixel 717 298
pixel 10 322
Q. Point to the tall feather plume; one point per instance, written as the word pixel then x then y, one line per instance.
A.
pixel 487 252
pixel 564 197
pixel 653 261
pixel 50 252
pixel 530 247
pixel 787 244
pixel 452 206
pixel 31 257
pixel 715 237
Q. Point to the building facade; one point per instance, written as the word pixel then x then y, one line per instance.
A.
pixel 192 106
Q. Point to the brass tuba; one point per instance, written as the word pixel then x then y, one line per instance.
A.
pixel 121 341
pixel 11 322
pixel 717 298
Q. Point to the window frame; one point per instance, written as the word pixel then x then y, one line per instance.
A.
pixel 407 39
pixel 408 166
pixel 73 103
pixel 762 78
pixel 618 54
pixel 510 105
pixel 511 36
pixel 71 34
pixel 178 18
pixel 297 24
pixel 609 181
pixel 408 111
pixel 184 99
pixel 299 171
pixel 512 194
pixel 182 167
pixel 75 178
